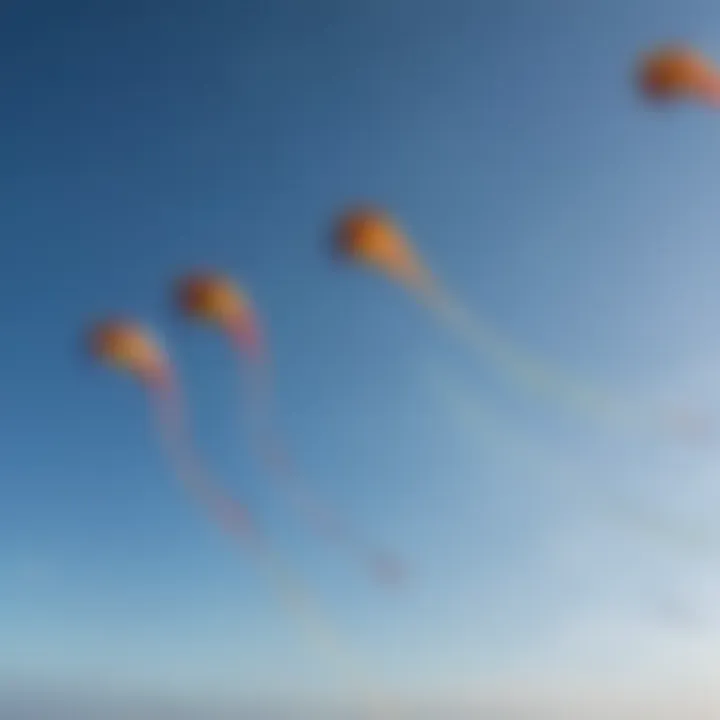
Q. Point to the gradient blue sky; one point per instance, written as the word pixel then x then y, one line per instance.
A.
pixel 140 139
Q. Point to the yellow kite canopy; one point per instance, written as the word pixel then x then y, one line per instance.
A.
pixel 128 346
pixel 215 299
pixel 677 72
pixel 371 236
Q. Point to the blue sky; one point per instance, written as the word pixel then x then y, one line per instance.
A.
pixel 142 139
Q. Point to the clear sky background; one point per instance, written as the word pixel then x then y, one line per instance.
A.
pixel 140 139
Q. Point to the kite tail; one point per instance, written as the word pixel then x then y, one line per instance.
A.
pixel 234 518
pixel 231 515
pixel 526 457
pixel 285 476
pixel 517 365
pixel 322 634
pixel 522 368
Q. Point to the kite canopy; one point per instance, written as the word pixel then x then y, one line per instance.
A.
pixel 215 299
pixel 127 346
pixel 370 236
pixel 677 72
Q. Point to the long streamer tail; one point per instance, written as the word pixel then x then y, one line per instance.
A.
pixel 527 457
pixel 545 381
pixel 234 518
pixel 286 477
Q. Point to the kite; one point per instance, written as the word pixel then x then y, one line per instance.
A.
pixel 675 72
pixel 128 347
pixel 216 300
pixel 370 237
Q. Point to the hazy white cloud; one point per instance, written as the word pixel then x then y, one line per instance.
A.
pixel 524 702
pixel 545 695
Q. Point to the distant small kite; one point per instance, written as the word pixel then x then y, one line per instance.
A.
pixel 676 72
